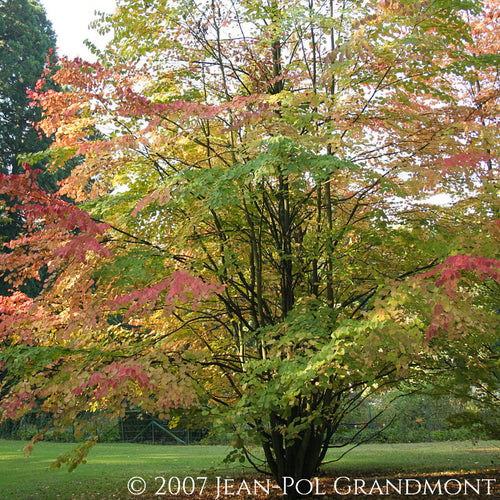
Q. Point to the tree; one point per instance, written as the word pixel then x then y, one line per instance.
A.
pixel 255 233
pixel 26 40
pixel 27 45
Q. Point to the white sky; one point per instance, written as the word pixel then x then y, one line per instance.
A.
pixel 70 20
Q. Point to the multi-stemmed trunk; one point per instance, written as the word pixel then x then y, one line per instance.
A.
pixel 293 464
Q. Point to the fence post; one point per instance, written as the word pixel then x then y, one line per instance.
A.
pixel 428 420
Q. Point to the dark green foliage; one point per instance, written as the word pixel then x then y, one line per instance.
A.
pixel 26 39
pixel 397 417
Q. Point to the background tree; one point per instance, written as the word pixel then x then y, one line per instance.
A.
pixel 26 39
pixel 261 240
pixel 27 45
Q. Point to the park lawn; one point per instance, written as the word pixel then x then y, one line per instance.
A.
pixel 110 466
pixel 442 456
pixel 105 475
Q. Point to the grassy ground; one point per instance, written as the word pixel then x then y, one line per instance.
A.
pixel 444 456
pixel 110 466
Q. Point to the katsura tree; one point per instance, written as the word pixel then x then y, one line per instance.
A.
pixel 255 230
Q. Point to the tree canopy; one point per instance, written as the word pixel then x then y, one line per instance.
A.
pixel 27 50
pixel 26 40
pixel 256 231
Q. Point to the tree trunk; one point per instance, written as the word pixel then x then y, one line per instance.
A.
pixel 293 464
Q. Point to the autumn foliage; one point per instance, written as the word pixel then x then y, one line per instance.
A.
pixel 279 209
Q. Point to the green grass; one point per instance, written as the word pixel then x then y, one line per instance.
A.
pixel 110 466
pixel 443 456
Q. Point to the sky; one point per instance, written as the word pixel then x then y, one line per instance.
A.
pixel 70 20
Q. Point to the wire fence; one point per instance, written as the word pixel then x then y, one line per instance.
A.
pixel 411 419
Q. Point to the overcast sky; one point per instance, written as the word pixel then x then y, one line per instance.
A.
pixel 70 20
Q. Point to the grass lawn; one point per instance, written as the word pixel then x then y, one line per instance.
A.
pixel 110 466
pixel 444 456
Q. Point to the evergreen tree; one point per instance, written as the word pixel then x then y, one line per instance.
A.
pixel 26 39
